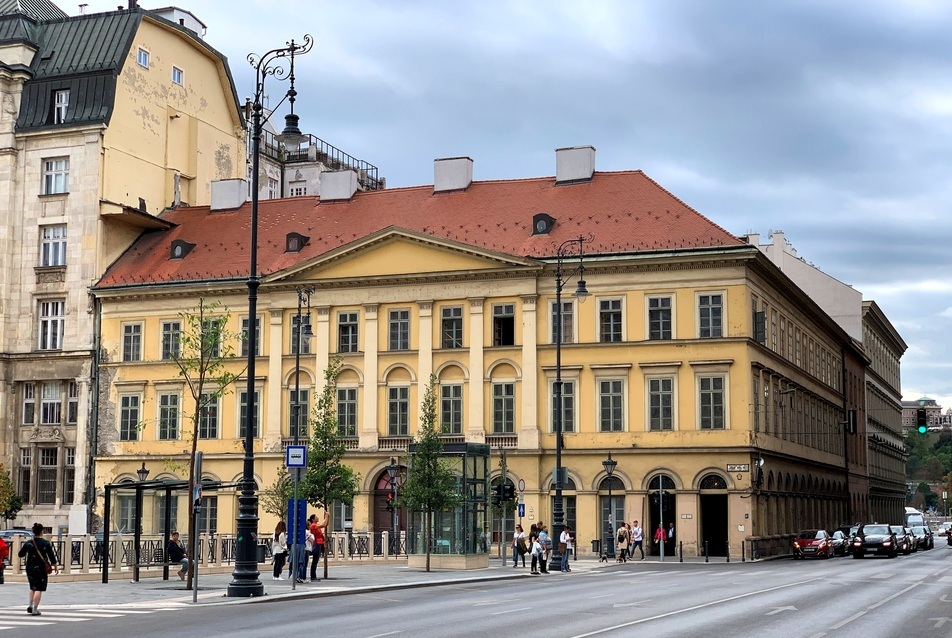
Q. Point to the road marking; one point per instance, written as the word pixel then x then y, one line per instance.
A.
pixel 873 606
pixel 696 607
pixel 389 633
pixel 940 621
pixel 777 610
pixel 632 604
pixel 602 596
pixel 511 611
pixel 10 624
pixel 883 575
pixel 946 579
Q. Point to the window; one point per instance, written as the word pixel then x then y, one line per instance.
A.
pixel 244 336
pixel 659 318
pixel 55 175
pixel 208 417
pixel 129 417
pixel 347 411
pixel 132 342
pixel 243 415
pixel 399 330
pixel 610 405
pixel 158 509
pixel 29 403
pixel 127 508
pixel 347 332
pixel 272 188
pixel 72 403
pixel 168 416
pixel 452 327
pixel 178 76
pixel 304 332
pixel 46 476
pixel 710 309
pixel 451 409
pixel 504 408
pixel 297 189
pixel 23 482
pixel 53 245
pixel 609 320
pixel 711 402
pixel 504 325
pixel 171 339
pixel 142 57
pixel 398 411
pixel 568 322
pixel 211 337
pixel 661 403
pixel 52 406
pixel 343 516
pixel 207 520
pixel 568 406
pixel 60 105
pixel 298 427
pixel 69 474
pixel 52 318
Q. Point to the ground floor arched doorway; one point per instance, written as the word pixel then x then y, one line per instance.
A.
pixel 661 511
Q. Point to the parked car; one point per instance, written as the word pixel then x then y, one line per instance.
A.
pixel 874 538
pixel 841 543
pixel 813 542
pixel 850 532
pixel 925 537
pixel 7 536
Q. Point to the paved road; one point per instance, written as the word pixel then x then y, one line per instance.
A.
pixel 780 599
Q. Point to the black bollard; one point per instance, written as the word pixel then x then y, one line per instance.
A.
pixel 680 551
pixel 743 557
pixel 706 557
pixel 728 552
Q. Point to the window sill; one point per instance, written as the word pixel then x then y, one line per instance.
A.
pixel 53 195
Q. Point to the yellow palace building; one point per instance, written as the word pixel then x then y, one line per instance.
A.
pixel 695 362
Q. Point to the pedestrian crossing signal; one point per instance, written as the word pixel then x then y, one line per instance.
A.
pixel 390 507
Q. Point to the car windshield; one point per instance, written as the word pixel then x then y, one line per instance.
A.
pixel 876 529
pixel 810 534
pixel 919 530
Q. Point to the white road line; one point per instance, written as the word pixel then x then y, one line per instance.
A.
pixel 113 610
pixel 389 633
pixel 602 596
pixel 695 608
pixel 24 623
pixel 511 611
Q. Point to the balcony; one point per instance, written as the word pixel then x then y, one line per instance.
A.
pixel 317 150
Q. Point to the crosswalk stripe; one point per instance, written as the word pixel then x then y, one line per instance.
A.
pixel 24 623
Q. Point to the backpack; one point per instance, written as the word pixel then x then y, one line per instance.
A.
pixel 622 536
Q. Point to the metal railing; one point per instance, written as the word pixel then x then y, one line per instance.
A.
pixel 317 150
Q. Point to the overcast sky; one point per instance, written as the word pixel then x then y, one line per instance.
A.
pixel 831 121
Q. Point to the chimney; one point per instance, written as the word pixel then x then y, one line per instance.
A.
pixel 574 164
pixel 452 174
pixel 228 194
pixel 338 186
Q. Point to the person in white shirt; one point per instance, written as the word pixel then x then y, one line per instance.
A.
pixel 566 538
pixel 519 535
pixel 637 539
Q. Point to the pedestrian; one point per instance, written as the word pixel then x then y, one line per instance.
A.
pixel 546 543
pixel 537 554
pixel 637 538
pixel 308 550
pixel 660 537
pixel 40 562
pixel 484 539
pixel 519 547
pixel 175 553
pixel 621 543
pixel 4 552
pixel 565 546
pixel 670 539
pixel 279 548
pixel 317 548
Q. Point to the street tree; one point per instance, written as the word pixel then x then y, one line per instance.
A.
pixel 202 350
pixel 328 479
pixel 274 498
pixel 431 485
pixel 10 501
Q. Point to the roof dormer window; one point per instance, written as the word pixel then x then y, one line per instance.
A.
pixel 542 224
pixel 180 248
pixel 294 242
pixel 60 105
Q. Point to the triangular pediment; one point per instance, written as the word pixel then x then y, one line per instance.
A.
pixel 397 253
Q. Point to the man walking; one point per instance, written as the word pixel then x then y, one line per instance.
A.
pixel 637 540
pixel 670 546
pixel 177 554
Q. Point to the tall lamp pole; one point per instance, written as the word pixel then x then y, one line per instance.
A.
pixel 568 248
pixel 610 464
pixel 245 577
pixel 301 332
pixel 393 471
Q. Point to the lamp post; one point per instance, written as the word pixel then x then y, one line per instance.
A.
pixel 393 471
pixel 303 294
pixel 143 473
pixel 245 582
pixel 609 464
pixel 568 248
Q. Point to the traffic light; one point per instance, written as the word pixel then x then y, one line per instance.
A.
pixel 922 421
pixel 497 495
pixel 508 492
pixel 390 507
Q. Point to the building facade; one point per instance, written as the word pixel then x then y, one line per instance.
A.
pixel 717 384
pixel 108 119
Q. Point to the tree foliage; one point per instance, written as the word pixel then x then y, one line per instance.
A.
pixel 274 498
pixel 930 455
pixel 10 501
pixel 328 479
pixel 202 353
pixel 431 484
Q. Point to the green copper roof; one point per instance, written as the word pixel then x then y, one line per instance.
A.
pixel 36 9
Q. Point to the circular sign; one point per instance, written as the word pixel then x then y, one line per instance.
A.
pixel 522 485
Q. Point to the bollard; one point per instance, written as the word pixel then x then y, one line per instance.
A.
pixel 743 546
pixel 728 552
pixel 706 557
pixel 680 551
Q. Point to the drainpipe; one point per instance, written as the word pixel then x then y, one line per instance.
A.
pixel 92 435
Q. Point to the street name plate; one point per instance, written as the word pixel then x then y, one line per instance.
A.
pixel 738 467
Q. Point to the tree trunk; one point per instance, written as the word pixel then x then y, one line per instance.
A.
pixel 428 536
pixel 192 523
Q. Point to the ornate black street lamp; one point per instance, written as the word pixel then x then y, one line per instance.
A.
pixel 609 464
pixel 568 248
pixel 393 470
pixel 245 582
pixel 143 473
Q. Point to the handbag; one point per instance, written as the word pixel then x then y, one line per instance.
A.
pixel 562 548
pixel 521 546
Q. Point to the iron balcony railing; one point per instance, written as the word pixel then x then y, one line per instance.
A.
pixel 317 150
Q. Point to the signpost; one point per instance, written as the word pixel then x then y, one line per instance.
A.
pixel 295 459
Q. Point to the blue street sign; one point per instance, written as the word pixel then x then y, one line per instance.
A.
pixel 301 520
pixel 295 456
pixel 522 510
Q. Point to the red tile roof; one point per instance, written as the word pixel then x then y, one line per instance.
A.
pixel 623 211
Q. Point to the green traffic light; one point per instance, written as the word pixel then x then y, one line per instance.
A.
pixel 923 429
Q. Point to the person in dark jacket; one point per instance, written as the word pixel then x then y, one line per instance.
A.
pixel 39 553
pixel 177 554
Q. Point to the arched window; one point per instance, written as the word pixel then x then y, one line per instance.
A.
pixel 713 482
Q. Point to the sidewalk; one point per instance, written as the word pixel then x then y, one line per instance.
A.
pixel 344 579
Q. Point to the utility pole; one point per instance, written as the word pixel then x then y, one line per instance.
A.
pixel 505 479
